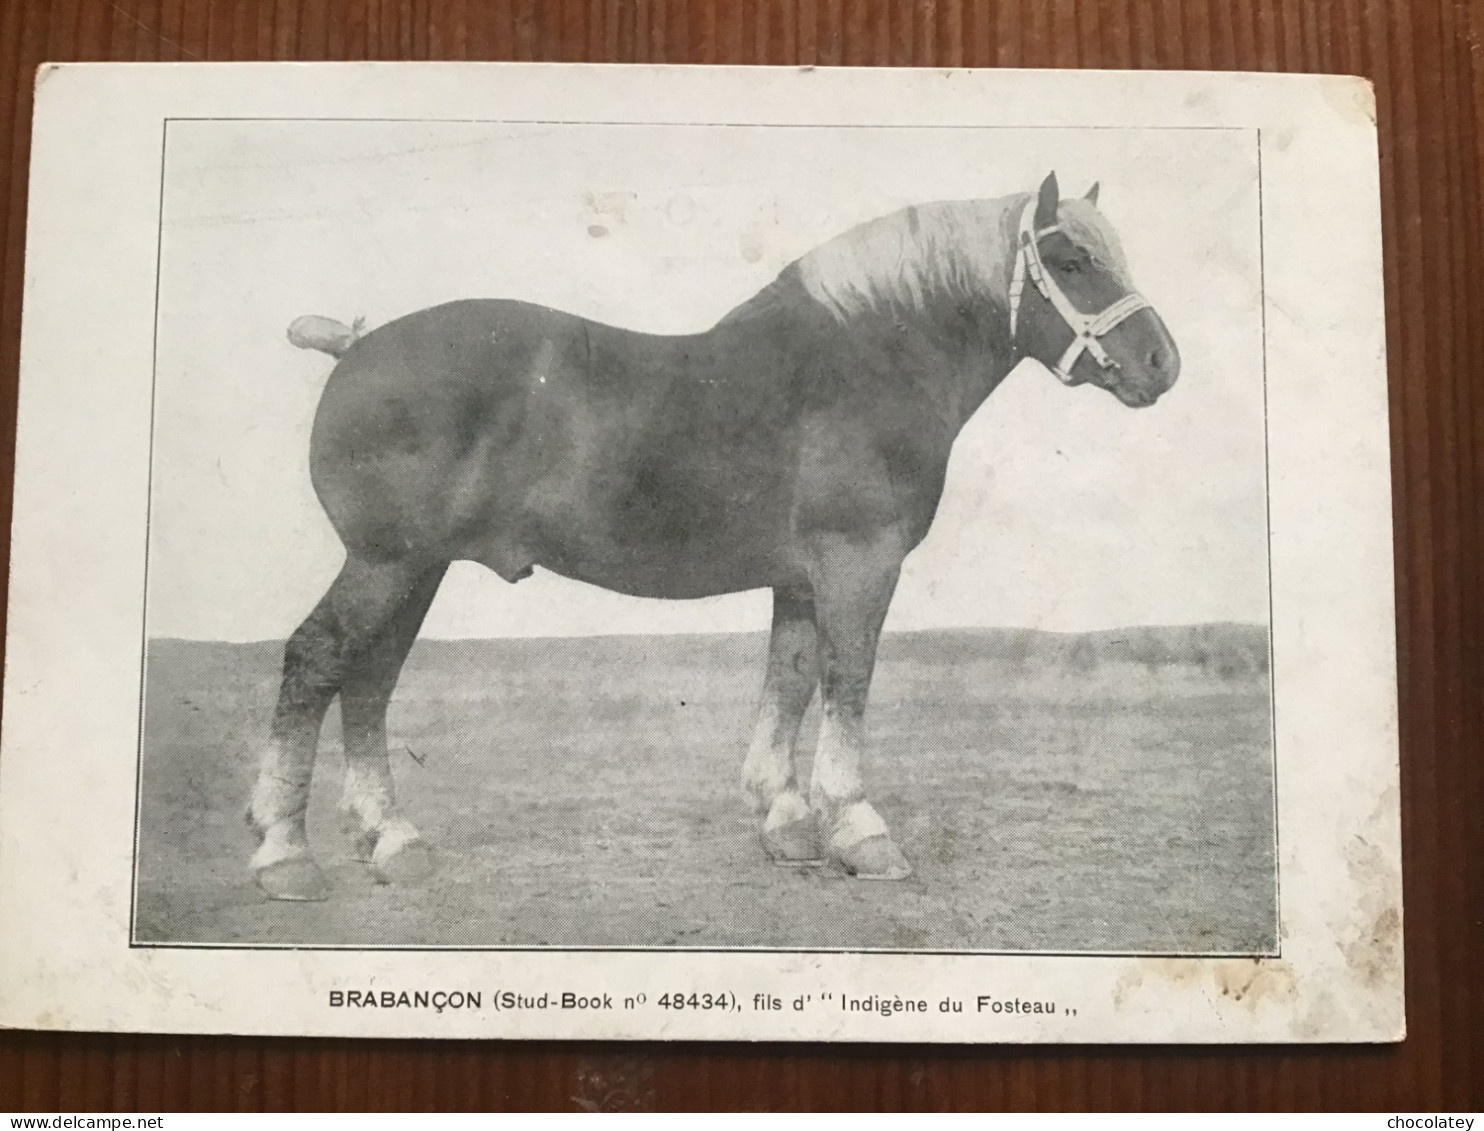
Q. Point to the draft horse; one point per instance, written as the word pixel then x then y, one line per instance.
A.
pixel 800 444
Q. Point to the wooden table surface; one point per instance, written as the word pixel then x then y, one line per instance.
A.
pixel 1427 60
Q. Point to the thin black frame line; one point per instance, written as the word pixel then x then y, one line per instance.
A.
pixel 133 942
pixel 1267 470
pixel 353 948
pixel 149 499
pixel 693 125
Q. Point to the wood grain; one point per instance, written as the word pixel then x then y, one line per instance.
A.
pixel 1427 60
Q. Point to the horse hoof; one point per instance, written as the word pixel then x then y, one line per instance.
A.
pixel 875 858
pixel 297 879
pixel 402 861
pixel 791 833
pixel 794 844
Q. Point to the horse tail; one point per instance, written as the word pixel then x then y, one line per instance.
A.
pixel 316 332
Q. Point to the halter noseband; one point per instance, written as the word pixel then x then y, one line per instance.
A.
pixel 1087 329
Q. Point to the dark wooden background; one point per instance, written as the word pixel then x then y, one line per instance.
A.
pixel 1427 60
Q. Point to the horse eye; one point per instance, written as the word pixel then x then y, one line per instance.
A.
pixel 1071 267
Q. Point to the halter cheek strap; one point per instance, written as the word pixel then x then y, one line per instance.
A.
pixel 1087 329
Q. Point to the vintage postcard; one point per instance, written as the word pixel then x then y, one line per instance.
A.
pixel 638 552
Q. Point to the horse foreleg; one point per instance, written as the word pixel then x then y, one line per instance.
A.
pixel 359 605
pixel 853 581
pixel 790 832
pixel 383 837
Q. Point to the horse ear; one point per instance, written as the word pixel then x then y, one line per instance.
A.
pixel 1047 201
pixel 1092 195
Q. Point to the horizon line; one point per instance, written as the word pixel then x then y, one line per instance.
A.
pixel 1165 626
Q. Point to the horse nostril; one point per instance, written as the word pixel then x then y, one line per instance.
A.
pixel 1156 359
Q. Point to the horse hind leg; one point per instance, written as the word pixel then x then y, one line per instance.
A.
pixel 361 603
pixel 790 832
pixel 383 837
pixel 283 865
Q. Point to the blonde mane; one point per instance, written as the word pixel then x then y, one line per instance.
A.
pixel 953 249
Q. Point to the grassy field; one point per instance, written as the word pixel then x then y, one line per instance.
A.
pixel 1100 792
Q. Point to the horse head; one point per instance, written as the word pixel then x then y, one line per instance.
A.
pixel 1073 306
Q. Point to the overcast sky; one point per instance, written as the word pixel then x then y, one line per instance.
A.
pixel 1064 510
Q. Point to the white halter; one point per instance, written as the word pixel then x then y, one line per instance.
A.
pixel 1086 329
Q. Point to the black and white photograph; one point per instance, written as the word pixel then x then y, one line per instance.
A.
pixel 862 556
pixel 708 536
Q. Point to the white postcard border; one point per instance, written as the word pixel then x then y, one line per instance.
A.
pixel 73 654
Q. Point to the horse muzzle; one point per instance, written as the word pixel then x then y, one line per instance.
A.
pixel 1148 362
